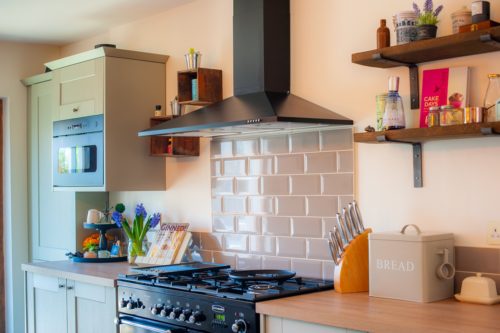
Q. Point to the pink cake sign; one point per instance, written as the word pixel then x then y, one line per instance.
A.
pixel 444 86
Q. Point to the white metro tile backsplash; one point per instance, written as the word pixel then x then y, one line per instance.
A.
pixel 274 199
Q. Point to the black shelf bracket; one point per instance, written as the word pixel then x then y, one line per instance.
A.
pixel 489 131
pixel 417 158
pixel 487 39
pixel 413 68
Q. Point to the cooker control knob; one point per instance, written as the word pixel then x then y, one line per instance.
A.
pixel 166 311
pixel 186 313
pixel 131 305
pixel 156 309
pixel 239 326
pixel 175 313
pixel 196 317
pixel 123 303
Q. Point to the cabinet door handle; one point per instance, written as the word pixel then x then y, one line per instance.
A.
pixel 76 109
pixel 70 288
pixel 62 286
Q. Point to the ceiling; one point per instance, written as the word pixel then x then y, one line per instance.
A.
pixel 65 21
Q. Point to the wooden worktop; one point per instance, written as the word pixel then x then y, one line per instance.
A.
pixel 104 274
pixel 362 312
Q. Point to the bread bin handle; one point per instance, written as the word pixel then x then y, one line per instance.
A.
pixel 411 225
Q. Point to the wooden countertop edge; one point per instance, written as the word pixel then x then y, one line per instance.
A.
pixel 82 277
pixel 364 313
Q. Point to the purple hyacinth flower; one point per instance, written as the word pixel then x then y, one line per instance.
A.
pixel 155 220
pixel 438 10
pixel 117 217
pixel 416 9
pixel 140 210
pixel 428 6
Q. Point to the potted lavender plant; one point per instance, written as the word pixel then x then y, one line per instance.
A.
pixel 427 20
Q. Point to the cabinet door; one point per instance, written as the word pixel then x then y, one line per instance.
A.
pixel 46 304
pixel 52 218
pixel 81 89
pixel 91 308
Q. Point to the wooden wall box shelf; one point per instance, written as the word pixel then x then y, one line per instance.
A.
pixel 416 136
pixel 168 146
pixel 411 54
pixel 209 86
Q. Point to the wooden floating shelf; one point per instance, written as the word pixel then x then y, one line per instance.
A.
pixel 452 46
pixel 200 103
pixel 417 135
pixel 168 146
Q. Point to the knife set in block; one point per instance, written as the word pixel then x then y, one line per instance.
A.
pixel 349 249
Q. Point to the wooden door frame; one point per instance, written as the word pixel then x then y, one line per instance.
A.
pixel 2 267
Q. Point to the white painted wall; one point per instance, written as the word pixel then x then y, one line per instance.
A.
pixel 17 61
pixel 460 177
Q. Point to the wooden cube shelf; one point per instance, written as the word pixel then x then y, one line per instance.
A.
pixel 173 146
pixel 209 86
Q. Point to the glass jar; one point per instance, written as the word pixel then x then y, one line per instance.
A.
pixel 433 116
pixel 492 98
pixel 394 115
pixel 450 115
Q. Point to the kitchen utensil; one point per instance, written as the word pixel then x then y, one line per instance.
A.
pixel 193 60
pixel 346 236
pixel 350 221
pixel 94 216
pixel 338 239
pixel 348 224
pixel 335 248
pixel 354 218
pixel 358 215
pixel 478 289
pixel 446 270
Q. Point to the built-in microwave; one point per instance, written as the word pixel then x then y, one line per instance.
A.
pixel 78 152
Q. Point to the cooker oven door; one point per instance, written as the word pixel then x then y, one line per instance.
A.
pixel 129 324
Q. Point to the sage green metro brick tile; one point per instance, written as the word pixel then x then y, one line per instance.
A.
pixel 338 184
pixel 276 263
pixel 291 206
pixel 248 261
pixel 290 164
pixel 305 184
pixel 246 147
pixel 307 268
pixel 262 245
pixel 276 225
pixel 340 139
pixel 325 162
pixel 248 224
pixel 275 185
pixel 317 248
pixel 307 227
pixel 323 206
pixel 291 247
pixel 304 142
pixel 221 148
pixel 345 161
pixel 276 144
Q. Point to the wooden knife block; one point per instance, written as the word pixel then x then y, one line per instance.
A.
pixel 351 275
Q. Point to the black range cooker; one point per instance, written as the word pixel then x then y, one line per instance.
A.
pixel 202 297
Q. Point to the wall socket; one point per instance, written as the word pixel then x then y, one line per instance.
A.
pixel 493 237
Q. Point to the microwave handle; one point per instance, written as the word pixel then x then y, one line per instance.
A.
pixel 133 323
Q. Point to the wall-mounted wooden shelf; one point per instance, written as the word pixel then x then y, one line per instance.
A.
pixel 411 54
pixel 209 86
pixel 416 136
pixel 167 146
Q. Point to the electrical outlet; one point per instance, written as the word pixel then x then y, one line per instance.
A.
pixel 493 237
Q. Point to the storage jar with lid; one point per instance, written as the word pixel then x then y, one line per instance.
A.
pixel 433 116
pixel 492 98
pixel 450 115
pixel 460 17
pixel 413 266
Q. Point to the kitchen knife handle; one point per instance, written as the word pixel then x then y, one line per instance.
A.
pixel 358 214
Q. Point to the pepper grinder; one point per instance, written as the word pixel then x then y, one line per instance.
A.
pixel 383 35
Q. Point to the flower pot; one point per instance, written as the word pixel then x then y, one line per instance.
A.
pixel 426 31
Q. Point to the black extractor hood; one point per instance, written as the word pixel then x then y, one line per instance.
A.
pixel 262 101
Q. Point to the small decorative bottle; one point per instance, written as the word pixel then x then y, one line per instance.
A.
pixel 383 35
pixel 492 98
pixel 394 115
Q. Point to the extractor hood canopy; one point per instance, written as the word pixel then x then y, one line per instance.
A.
pixel 262 101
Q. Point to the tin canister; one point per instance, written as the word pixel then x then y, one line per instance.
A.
pixel 380 99
pixel 406 26
pixel 480 11
pixel 460 17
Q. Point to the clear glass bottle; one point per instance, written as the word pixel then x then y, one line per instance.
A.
pixel 492 98
pixel 394 115
pixel 450 115
pixel 433 116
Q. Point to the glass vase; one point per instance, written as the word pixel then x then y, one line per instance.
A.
pixel 134 249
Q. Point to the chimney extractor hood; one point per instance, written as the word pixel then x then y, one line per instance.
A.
pixel 262 101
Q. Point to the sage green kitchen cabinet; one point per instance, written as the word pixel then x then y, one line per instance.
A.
pixel 55 217
pixel 125 87
pixel 283 325
pixel 58 305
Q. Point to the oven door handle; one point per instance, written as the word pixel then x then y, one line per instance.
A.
pixel 133 323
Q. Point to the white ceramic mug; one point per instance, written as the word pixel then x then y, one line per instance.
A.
pixel 94 216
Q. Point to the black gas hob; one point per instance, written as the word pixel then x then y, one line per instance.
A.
pixel 202 297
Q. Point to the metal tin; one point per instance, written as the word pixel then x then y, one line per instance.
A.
pixel 473 114
pixel 480 11
pixel 459 18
